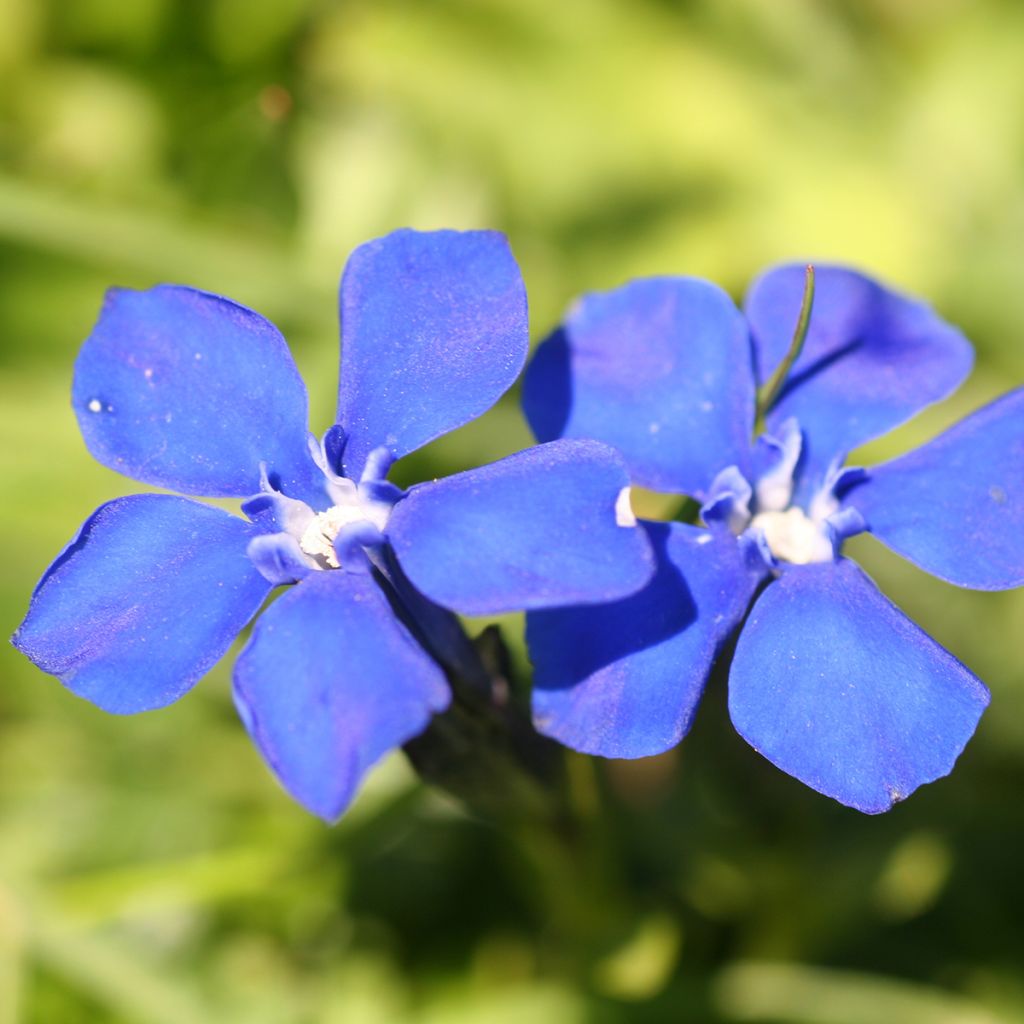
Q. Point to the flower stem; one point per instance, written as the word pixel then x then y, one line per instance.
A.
pixel 483 749
pixel 769 393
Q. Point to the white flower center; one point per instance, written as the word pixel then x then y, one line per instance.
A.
pixel 319 536
pixel 792 536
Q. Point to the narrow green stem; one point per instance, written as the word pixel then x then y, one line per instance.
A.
pixel 768 394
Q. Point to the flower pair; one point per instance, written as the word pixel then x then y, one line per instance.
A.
pixel 191 392
pixel 188 391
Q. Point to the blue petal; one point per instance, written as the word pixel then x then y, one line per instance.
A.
pixel 872 359
pixel 435 331
pixel 536 530
pixel 143 601
pixel 624 679
pixel 660 369
pixel 330 682
pixel 279 558
pixel 836 686
pixel 189 391
pixel 955 506
pixel 727 508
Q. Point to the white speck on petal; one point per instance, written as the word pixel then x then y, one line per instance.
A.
pixel 95 405
pixel 623 509
pixel 148 373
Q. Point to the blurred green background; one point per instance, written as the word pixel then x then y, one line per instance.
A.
pixel 150 869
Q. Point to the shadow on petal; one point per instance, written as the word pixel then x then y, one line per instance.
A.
pixel 595 636
pixel 547 388
pixel 624 679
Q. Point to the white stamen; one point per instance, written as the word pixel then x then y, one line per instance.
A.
pixel 624 509
pixel 731 487
pixel 823 504
pixel 774 489
pixel 318 537
pixel 792 536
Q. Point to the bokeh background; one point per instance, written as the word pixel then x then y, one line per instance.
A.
pixel 150 869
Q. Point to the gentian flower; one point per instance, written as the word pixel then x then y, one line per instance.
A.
pixel 828 680
pixel 189 391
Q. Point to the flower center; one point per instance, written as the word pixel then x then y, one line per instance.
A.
pixel 764 512
pixel 297 540
pixel 792 536
pixel 319 536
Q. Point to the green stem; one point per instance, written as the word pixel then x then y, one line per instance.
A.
pixel 767 395
pixel 485 751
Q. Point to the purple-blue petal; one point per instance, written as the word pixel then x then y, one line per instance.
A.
pixel 329 682
pixel 871 360
pixel 190 391
pixel 955 506
pixel 624 679
pixel 660 369
pixel 837 687
pixel 279 558
pixel 434 328
pixel 143 602
pixel 538 529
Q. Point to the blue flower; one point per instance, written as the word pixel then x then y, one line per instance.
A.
pixel 188 391
pixel 829 680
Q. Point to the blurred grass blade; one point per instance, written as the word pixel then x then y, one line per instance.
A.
pixel 206 879
pixel 11 960
pixel 641 967
pixel 115 975
pixel 155 245
pixel 811 995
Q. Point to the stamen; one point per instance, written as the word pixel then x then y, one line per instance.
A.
pixel 378 462
pixel 333 539
pixel 774 489
pixel 789 533
pixel 318 538
pixel 728 504
pixel 792 536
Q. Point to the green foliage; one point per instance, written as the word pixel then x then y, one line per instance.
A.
pixel 150 871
